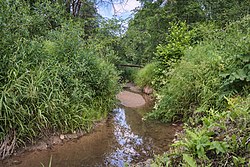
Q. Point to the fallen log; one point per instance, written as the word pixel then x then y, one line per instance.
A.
pixel 130 65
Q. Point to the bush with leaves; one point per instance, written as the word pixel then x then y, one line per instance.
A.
pixel 193 82
pixel 221 139
pixel 146 30
pixel 236 50
pixel 209 90
pixel 166 56
pixel 146 75
pixel 199 80
pixel 51 80
pixel 178 39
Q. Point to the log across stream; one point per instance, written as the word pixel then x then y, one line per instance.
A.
pixel 125 138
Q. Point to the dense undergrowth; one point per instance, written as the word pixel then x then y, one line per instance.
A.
pixel 207 88
pixel 59 62
pixel 219 138
pixel 215 68
pixel 201 77
pixel 50 79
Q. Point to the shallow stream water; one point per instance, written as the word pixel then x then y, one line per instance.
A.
pixel 123 139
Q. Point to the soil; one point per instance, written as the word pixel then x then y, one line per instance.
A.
pixel 130 99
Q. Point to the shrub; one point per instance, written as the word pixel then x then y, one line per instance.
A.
pixel 178 40
pixel 207 72
pixel 146 75
pixel 209 88
pixel 235 49
pixel 193 82
pixel 51 81
pixel 222 138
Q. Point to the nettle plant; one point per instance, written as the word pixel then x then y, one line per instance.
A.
pixel 199 144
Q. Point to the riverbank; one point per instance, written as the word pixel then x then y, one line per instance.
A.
pixel 105 138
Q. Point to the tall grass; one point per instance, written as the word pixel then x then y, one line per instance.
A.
pixel 215 68
pixel 209 91
pixel 194 83
pixel 50 80
pixel 146 75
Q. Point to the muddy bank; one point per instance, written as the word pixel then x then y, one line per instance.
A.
pixel 66 153
pixel 123 138
pixel 126 98
pixel 130 99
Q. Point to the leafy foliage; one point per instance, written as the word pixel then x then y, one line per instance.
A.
pixel 237 72
pixel 50 79
pixel 213 72
pixel 223 137
pixel 178 40
pixel 195 81
pixel 146 75
pixel 146 30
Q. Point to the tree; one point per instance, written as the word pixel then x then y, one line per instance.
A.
pixel 146 30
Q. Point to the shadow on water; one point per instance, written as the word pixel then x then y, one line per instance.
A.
pixel 124 139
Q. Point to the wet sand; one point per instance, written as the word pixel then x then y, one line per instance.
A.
pixel 130 99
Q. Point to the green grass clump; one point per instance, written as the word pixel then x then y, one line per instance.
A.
pixel 50 80
pixel 194 82
pixel 146 75
pixel 209 71
pixel 221 139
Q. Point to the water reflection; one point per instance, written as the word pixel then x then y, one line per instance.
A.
pixel 124 138
pixel 129 146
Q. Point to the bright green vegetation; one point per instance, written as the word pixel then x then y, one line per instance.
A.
pixel 146 75
pixel 216 68
pixel 52 78
pixel 209 90
pixel 215 138
pixel 60 71
pixel 201 74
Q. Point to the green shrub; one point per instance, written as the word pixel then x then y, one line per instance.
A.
pixel 209 75
pixel 217 67
pixel 222 138
pixel 146 75
pixel 127 74
pixel 192 83
pixel 51 81
pixel 235 49
pixel 178 40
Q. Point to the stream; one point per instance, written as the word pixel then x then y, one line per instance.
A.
pixel 123 139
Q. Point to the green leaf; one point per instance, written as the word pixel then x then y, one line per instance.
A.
pixel 224 75
pixel 242 74
pixel 234 139
pixel 189 160
pixel 200 151
pixel 191 134
pixel 248 77
pixel 218 146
